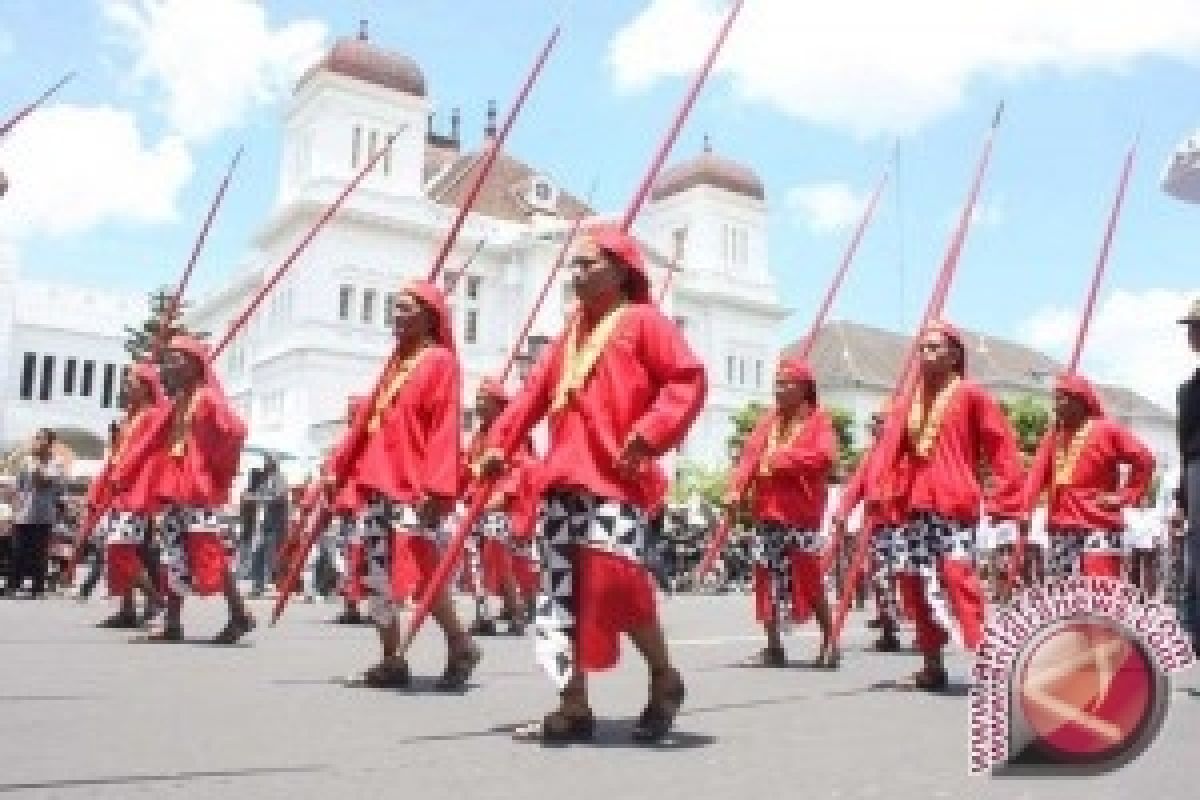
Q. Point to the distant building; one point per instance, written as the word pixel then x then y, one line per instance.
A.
pixel 1181 178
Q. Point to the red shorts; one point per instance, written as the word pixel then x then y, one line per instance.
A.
pixel 208 561
pixel 612 596
pixel 414 559
pixel 807 585
pixel 123 565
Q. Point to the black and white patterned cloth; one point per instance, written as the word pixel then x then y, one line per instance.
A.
pixel 772 543
pixel 378 521
pixel 927 539
pixel 886 542
pixel 567 520
pixel 494 525
pixel 122 527
pixel 1067 549
pixel 176 523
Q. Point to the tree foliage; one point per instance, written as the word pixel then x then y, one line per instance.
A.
pixel 140 340
pixel 1030 417
pixel 696 479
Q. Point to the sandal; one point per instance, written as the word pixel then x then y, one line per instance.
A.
pixel 482 626
pixel 349 618
pixel 828 659
pixel 767 657
pixel 234 630
pixel 559 727
pixel 168 634
pixel 458 669
pixel 658 717
pixel 386 675
pixel 927 679
pixel 119 621
pixel 887 643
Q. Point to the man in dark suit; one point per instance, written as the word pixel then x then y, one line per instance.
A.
pixel 1189 480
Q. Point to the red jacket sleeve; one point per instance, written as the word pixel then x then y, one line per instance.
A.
pixel 999 446
pixel 807 454
pixel 1133 452
pixel 531 403
pixel 683 382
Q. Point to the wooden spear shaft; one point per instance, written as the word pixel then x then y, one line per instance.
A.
pixel 29 109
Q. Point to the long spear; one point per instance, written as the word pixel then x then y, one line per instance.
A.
pixel 166 316
pixel 437 582
pixel 320 514
pixel 886 452
pixel 1045 454
pixel 721 535
pixel 29 109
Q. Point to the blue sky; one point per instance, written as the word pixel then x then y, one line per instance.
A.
pixel 816 100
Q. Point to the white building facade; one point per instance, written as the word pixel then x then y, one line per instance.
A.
pixel 61 358
pixel 323 335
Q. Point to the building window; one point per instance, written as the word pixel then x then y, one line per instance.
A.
pixel 758 369
pixel 47 378
pixel 729 368
pixel 389 308
pixel 372 144
pixel 106 390
pixel 472 327
pixel 345 302
pixel 473 284
pixel 725 244
pixel 355 147
pixel 741 372
pixel 85 383
pixel 368 306
pixel 679 241
pixel 387 158
pixel 28 370
pixel 69 376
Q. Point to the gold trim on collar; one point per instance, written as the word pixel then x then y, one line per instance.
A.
pixel 781 437
pixel 923 427
pixel 579 358
pixel 1066 459
pixel 395 377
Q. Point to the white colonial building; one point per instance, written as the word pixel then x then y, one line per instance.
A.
pixel 323 333
pixel 61 357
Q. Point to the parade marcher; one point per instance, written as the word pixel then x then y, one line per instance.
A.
pixel 269 499
pixel 883 525
pixel 495 539
pixel 124 527
pixel 1083 485
pixel 407 466
pixel 953 427
pixel 784 468
pixel 40 487
pixel 1188 423
pixel 620 388
pixel 189 463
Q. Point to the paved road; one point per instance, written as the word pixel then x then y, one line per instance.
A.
pixel 87 715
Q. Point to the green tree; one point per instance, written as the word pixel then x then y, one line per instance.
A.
pixel 1029 417
pixel 744 420
pixel 141 339
pixel 692 478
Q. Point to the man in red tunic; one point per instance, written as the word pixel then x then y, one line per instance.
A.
pixel 402 452
pixel 493 567
pixel 125 525
pixel 188 463
pixel 783 475
pixel 1084 485
pixel 620 388
pixel 954 426
pixel 883 523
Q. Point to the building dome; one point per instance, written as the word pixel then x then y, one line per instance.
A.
pixel 358 58
pixel 709 169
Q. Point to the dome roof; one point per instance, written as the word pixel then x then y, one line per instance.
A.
pixel 358 58
pixel 709 169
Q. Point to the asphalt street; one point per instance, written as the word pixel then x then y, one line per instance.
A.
pixel 86 714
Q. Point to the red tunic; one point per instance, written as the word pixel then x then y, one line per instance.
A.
pixel 1074 504
pixel 137 495
pixel 794 489
pixel 881 512
pixel 973 431
pixel 646 381
pixel 412 453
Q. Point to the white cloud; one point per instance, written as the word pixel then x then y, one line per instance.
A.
pixel 826 207
pixel 1134 340
pixel 877 67
pixel 72 168
pixel 214 61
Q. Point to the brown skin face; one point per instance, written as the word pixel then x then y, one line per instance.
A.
pixel 792 396
pixel 598 280
pixel 42 443
pixel 1069 410
pixel 412 323
pixel 487 408
pixel 134 393
pixel 939 357
pixel 181 371
pixel 1193 336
